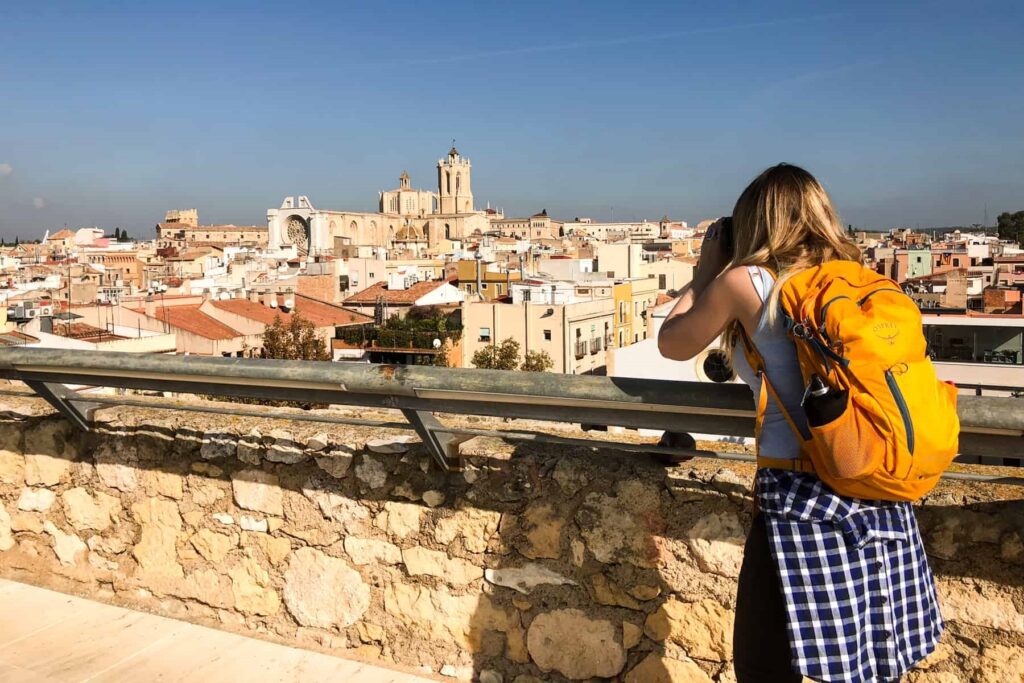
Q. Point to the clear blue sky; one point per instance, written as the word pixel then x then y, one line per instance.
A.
pixel 111 113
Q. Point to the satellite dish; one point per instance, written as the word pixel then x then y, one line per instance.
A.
pixel 289 303
pixel 437 343
pixel 273 302
pixel 224 296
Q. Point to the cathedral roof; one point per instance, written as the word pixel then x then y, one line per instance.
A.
pixel 453 152
pixel 409 233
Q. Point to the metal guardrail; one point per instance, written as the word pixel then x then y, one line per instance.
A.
pixel 990 426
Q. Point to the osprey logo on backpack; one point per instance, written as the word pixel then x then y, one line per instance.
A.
pixel 887 332
pixel 885 427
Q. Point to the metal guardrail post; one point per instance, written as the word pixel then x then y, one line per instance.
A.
pixel 68 402
pixel 442 444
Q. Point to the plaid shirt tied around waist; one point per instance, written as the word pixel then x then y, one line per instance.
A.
pixel 860 598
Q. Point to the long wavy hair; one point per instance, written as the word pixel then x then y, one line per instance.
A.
pixel 785 221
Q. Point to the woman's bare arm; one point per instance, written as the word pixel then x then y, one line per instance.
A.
pixel 716 296
pixel 704 310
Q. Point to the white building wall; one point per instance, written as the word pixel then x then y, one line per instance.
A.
pixel 445 294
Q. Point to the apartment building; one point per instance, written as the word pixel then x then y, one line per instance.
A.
pixel 573 333
pixel 486 280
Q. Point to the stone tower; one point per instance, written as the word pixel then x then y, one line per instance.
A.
pixel 453 183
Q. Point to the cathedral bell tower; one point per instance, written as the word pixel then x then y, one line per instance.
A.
pixel 453 183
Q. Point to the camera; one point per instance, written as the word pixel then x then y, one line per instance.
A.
pixel 726 237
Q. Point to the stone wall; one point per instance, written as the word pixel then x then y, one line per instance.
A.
pixel 535 563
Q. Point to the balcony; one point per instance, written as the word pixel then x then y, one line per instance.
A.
pixel 595 346
pixel 581 350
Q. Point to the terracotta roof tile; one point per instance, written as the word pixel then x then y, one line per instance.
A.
pixel 323 314
pixel 252 310
pixel 320 313
pixel 190 319
pixel 84 332
pixel 397 296
pixel 15 338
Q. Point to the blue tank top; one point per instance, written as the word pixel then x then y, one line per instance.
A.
pixel 779 353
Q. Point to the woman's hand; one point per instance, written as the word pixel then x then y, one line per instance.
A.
pixel 714 257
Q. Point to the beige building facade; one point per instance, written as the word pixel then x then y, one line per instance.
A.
pixel 407 217
pixel 535 227
pixel 572 334
pixel 408 202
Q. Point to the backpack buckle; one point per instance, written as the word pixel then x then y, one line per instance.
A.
pixel 801 331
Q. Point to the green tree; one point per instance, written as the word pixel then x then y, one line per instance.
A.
pixel 504 356
pixel 296 340
pixel 441 357
pixel 537 361
pixel 124 236
pixel 1011 226
pixel 117 234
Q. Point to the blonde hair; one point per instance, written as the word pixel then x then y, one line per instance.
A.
pixel 785 221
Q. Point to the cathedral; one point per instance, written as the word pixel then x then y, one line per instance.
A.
pixel 409 219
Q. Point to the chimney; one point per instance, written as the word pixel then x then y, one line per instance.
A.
pixel 254 296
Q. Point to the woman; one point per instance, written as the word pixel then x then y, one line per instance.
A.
pixel 832 588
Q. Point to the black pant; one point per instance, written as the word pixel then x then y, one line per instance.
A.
pixel 761 651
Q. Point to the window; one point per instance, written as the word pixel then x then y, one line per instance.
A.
pixel 956 263
pixel 547 335
pixel 526 295
pixel 485 334
pixel 663 282
pixel 483 285
pixel 497 288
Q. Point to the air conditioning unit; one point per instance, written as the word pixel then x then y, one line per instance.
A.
pixel 46 310
pixel 32 312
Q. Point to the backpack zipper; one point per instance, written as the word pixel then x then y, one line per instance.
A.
pixel 890 379
pixel 824 309
pixel 860 302
pixel 872 293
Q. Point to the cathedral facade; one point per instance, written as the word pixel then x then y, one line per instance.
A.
pixel 406 215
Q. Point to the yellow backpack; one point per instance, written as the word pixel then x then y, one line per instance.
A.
pixel 880 424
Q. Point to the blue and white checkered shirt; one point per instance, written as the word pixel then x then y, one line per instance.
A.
pixel 860 597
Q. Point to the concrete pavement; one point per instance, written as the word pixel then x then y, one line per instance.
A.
pixel 49 637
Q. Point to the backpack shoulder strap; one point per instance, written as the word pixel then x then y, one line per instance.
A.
pixel 756 362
